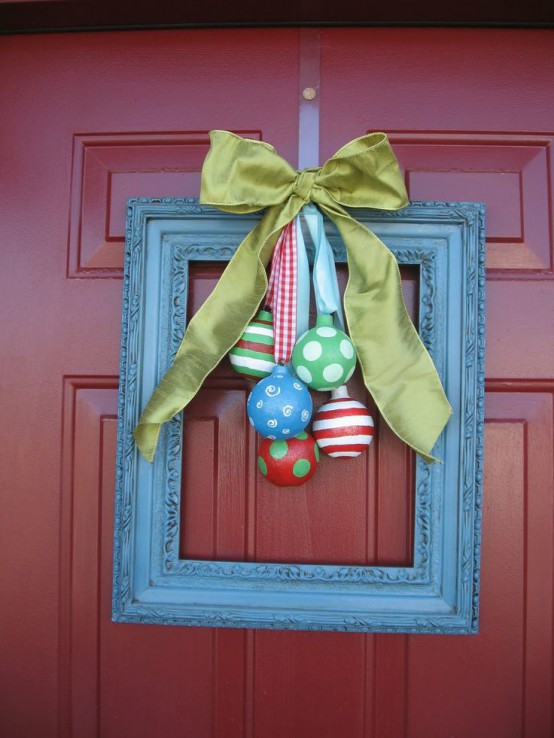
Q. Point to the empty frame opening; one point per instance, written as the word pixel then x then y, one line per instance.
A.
pixel 356 511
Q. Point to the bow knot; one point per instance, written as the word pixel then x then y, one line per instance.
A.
pixel 304 183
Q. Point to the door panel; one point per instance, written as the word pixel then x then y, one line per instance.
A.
pixel 88 120
pixel 466 112
pixel 355 512
pixel 91 119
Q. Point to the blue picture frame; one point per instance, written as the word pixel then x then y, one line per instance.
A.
pixel 439 592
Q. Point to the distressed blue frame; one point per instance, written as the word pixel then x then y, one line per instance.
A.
pixel 439 593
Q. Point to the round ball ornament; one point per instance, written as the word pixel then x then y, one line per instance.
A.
pixel 252 355
pixel 343 427
pixel 324 357
pixel 289 463
pixel 279 406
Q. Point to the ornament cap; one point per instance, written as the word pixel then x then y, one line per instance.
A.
pixel 264 315
pixel 343 428
pixel 340 393
pixel 324 320
pixel 281 370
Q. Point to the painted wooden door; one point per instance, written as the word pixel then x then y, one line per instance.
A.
pixel 90 119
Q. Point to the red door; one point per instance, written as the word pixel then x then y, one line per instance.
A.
pixel 91 119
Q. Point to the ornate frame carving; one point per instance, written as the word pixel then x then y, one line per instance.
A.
pixel 439 592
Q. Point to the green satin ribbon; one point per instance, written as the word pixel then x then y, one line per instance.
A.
pixel 243 176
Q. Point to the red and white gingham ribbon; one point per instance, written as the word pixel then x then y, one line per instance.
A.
pixel 281 293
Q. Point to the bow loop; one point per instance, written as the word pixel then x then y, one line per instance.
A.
pixel 241 175
pixel 365 174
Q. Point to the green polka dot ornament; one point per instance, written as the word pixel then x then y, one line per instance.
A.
pixel 289 463
pixel 324 357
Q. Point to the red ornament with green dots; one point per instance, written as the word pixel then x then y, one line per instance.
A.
pixel 324 357
pixel 289 463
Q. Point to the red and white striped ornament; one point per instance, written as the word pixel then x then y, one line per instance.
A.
pixel 343 427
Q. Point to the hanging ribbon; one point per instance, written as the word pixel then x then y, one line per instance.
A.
pixel 326 286
pixel 243 176
pixel 303 292
pixel 282 293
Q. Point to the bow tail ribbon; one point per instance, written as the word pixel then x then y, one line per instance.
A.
pixel 243 176
pixel 396 366
pixel 216 327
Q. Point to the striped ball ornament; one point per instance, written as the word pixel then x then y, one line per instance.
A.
pixel 252 356
pixel 343 427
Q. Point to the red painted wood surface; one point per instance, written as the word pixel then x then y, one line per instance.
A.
pixel 89 119
pixel 229 511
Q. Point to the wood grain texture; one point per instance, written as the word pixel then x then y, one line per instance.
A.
pixel 509 173
pixel 508 666
pixel 105 169
pixel 89 413
pixel 441 93
pixel 56 88
pixel 204 683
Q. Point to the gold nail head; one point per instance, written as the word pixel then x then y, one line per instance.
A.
pixel 309 93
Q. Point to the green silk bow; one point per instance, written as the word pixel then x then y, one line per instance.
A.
pixel 243 176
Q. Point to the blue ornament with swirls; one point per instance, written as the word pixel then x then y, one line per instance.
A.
pixel 280 406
